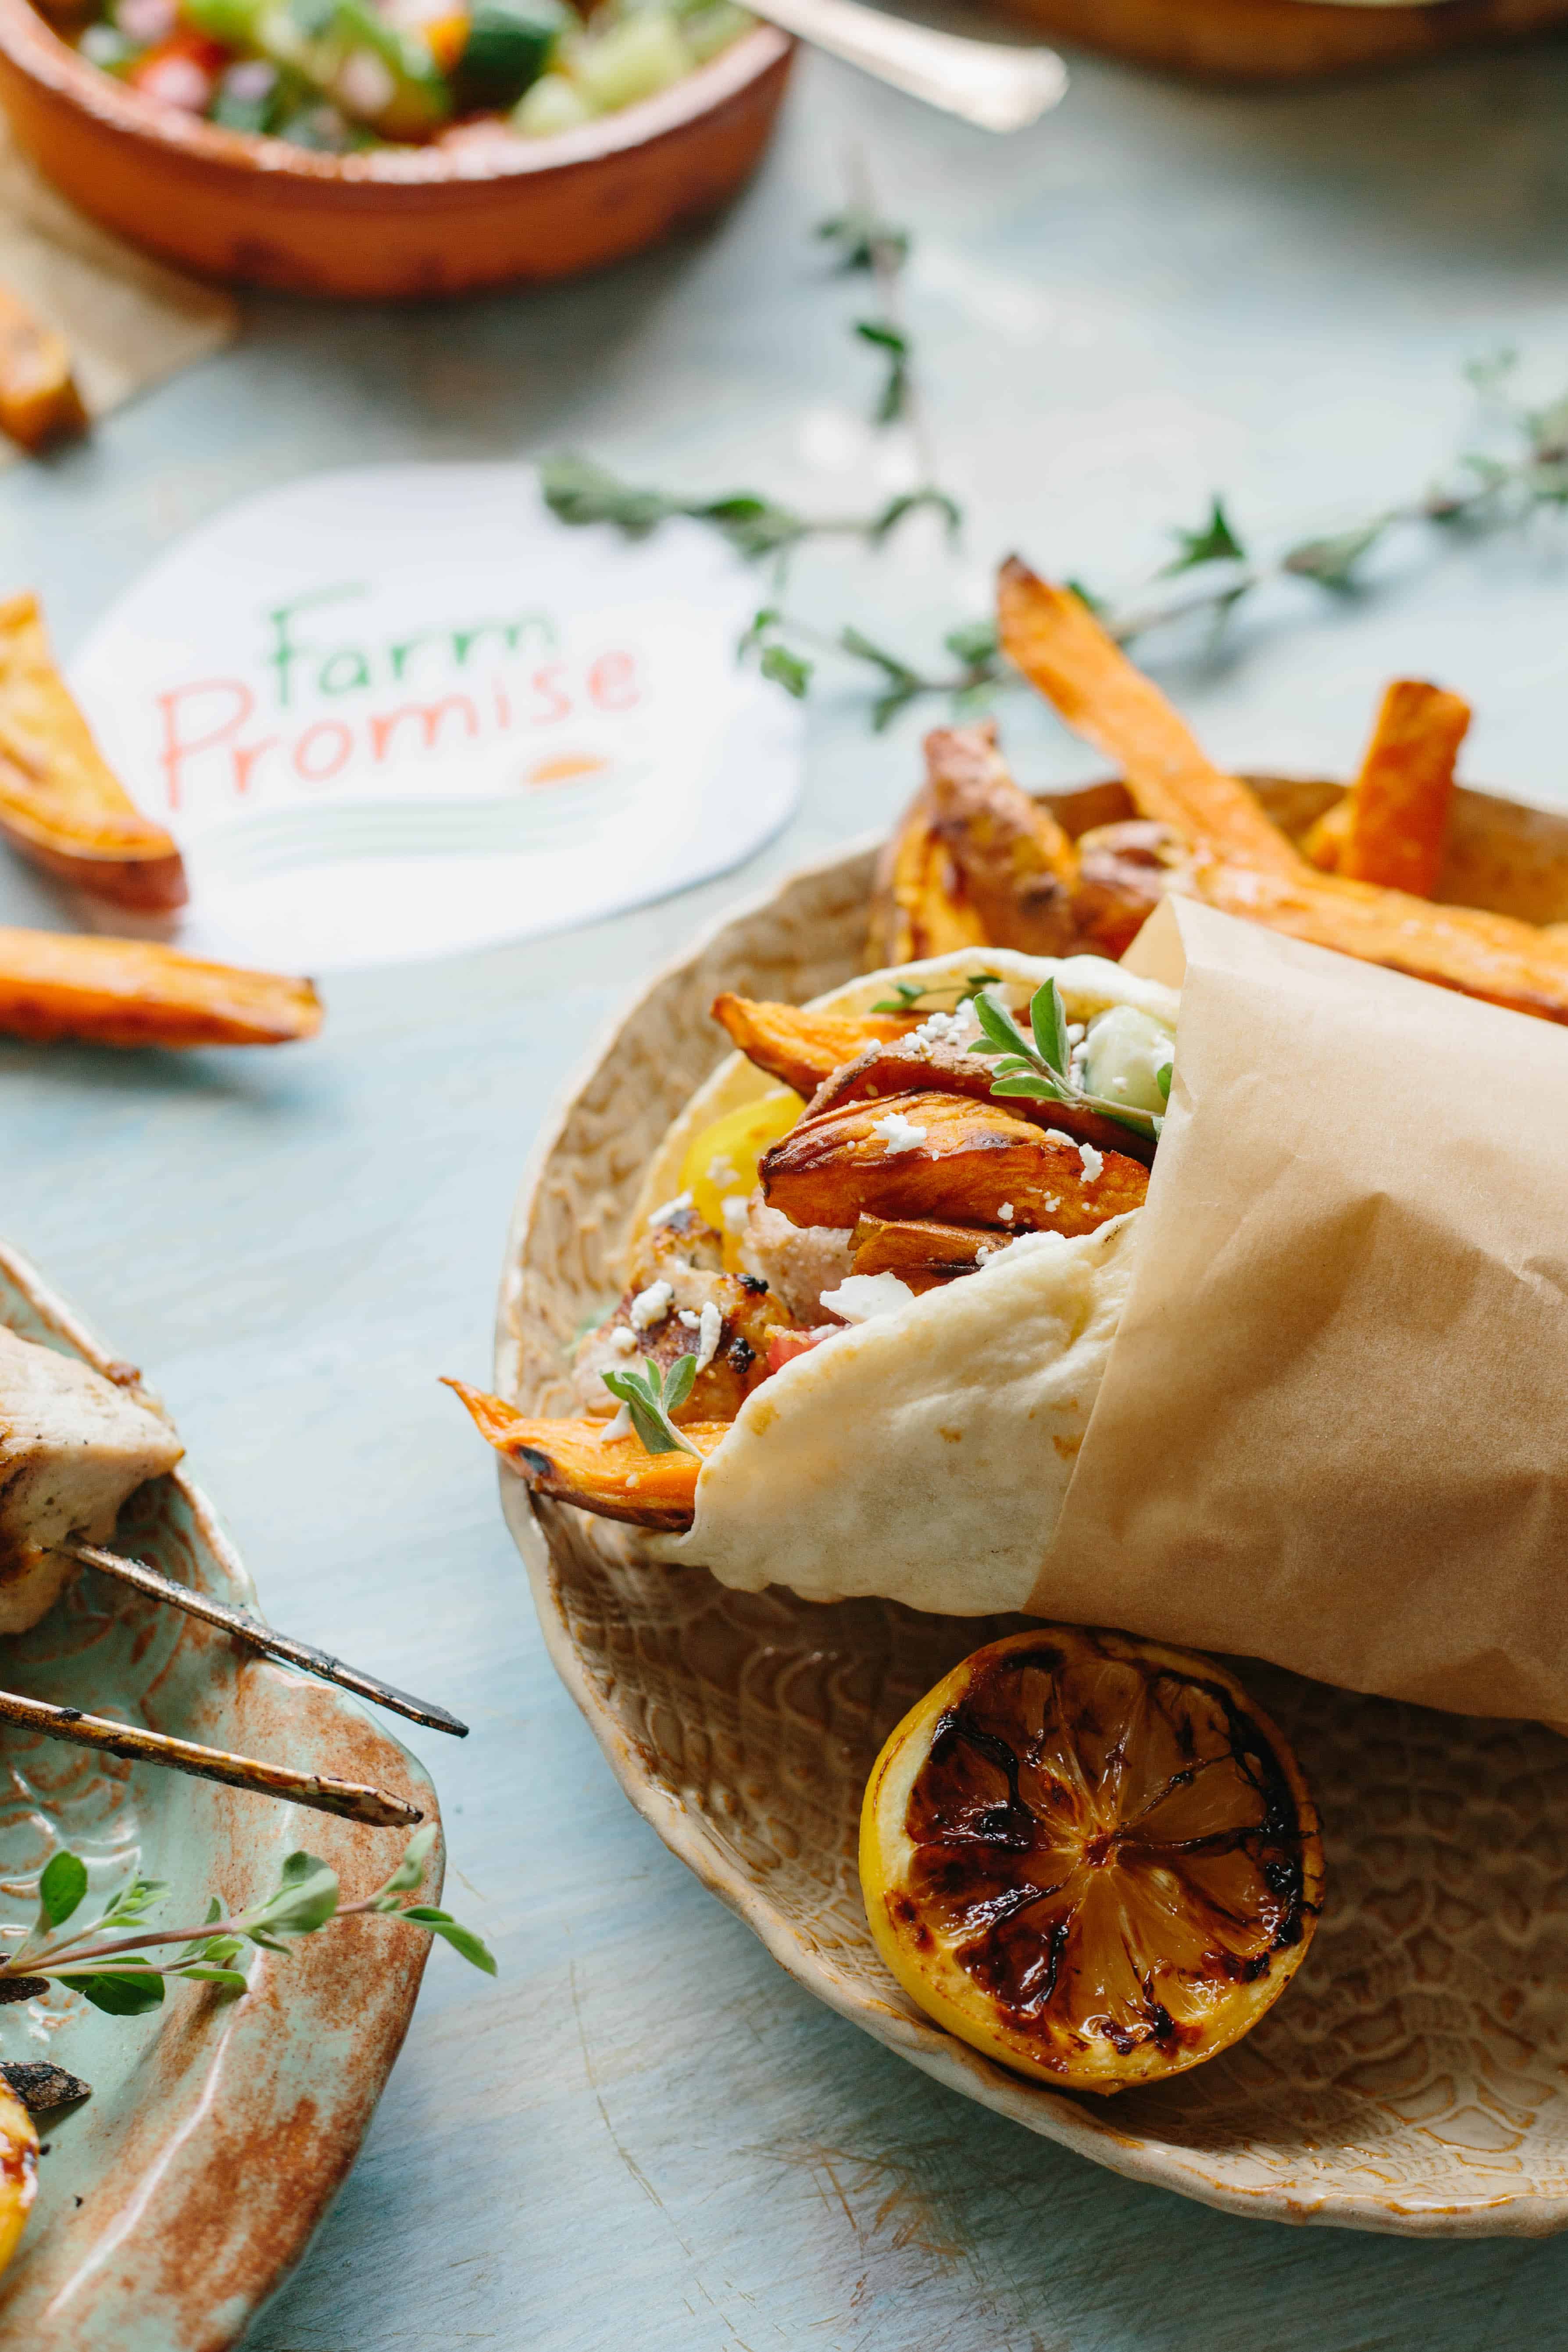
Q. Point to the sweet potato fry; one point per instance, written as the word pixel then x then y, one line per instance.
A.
pixel 1062 650
pixel 916 909
pixel 1490 956
pixel 1015 863
pixel 800 1048
pixel 883 1071
pixel 39 403
pixel 943 1156
pixel 59 803
pixel 1392 825
pixel 57 984
pixel 573 1462
pixel 923 1253
pixel 1124 871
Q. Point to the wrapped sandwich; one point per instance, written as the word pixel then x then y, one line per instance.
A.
pixel 934 1294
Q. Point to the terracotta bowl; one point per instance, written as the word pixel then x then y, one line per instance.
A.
pixel 1414 2077
pixel 391 224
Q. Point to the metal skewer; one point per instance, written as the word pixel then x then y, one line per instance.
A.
pixel 353 1800
pixel 277 1646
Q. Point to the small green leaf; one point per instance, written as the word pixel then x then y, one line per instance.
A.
pixel 1163 1077
pixel 1214 542
pixel 1002 1032
pixel 1333 562
pixel 894 343
pixel 230 1979
pixel 1027 1082
pixel 1049 1023
pixel 306 1898
pixel 781 667
pixel 61 1887
pixel 975 643
pixel 415 1855
pixel 129 1989
pixel 678 1382
pixel 864 241
pixel 909 502
pixel 462 1939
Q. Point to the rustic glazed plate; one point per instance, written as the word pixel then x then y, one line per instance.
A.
pixel 181 2194
pixel 1414 2079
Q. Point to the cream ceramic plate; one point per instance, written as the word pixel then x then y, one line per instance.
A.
pixel 1415 2078
pixel 178 2198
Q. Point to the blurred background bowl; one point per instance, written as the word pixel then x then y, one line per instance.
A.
pixel 388 224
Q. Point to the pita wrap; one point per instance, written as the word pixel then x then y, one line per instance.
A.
pixel 923 1455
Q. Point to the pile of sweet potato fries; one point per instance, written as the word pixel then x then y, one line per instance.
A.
pixel 976 862
pixel 63 809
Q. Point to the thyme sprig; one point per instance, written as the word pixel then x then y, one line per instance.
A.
pixel 107 1960
pixel 1041 1065
pixel 651 1398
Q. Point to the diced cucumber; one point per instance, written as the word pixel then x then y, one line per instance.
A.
pixel 706 30
pixel 369 71
pixel 510 42
pixel 105 46
pixel 552 104
pixel 640 55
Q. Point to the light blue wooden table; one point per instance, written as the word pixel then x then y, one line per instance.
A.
pixel 645 2136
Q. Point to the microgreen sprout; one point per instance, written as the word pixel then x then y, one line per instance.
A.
pixel 651 1397
pixel 107 1960
pixel 1041 1065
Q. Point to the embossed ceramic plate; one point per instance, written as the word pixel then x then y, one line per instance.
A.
pixel 180 2196
pixel 1414 2077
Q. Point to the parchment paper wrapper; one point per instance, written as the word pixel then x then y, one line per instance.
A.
pixel 129 320
pixel 1332 1430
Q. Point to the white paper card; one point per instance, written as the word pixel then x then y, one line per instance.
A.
pixel 400 711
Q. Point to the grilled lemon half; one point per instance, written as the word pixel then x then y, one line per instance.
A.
pixel 1092 1857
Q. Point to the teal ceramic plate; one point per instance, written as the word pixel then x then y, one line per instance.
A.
pixel 177 2199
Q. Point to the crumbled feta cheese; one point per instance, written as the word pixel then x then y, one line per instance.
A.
pixel 651 1306
pixel 898 1133
pixel 953 1029
pixel 733 1212
pixel 621 1426
pixel 671 1210
pixel 689 1318
pixel 722 1175
pixel 623 1341
pixel 1055 1134
pixel 1052 1200
pixel 1005 1212
pixel 1075 1033
pixel 1093 1161
pixel 710 1331
pixel 861 1298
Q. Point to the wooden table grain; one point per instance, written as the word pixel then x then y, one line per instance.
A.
pixel 644 2135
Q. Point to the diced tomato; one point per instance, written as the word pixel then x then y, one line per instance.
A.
pixel 181 71
pixel 784 1347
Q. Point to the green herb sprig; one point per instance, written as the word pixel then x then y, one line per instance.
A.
pixel 651 1397
pixel 107 1960
pixel 1040 1064
pixel 907 995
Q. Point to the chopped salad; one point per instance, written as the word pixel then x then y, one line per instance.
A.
pixel 340 75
